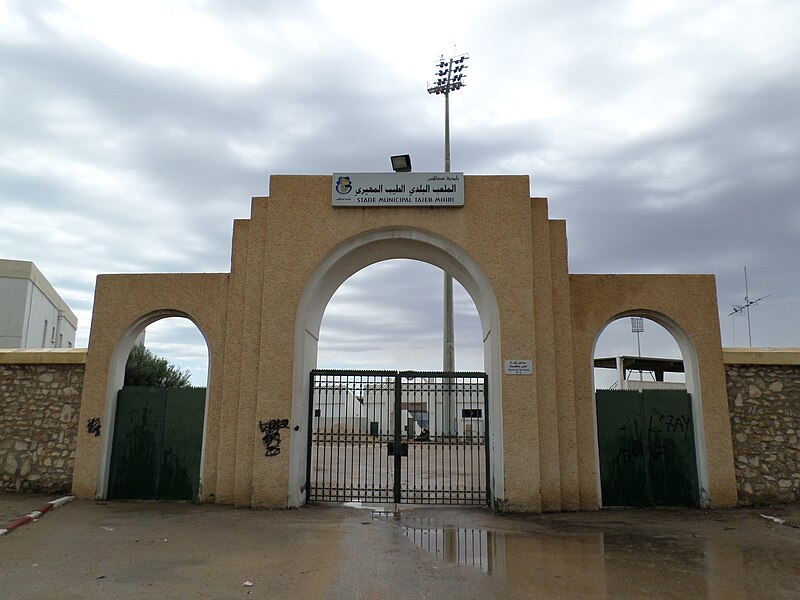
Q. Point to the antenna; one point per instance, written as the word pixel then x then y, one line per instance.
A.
pixel 739 309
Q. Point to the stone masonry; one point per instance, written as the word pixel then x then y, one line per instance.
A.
pixel 39 408
pixel 764 402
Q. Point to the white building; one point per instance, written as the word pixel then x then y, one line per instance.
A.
pixel 32 314
pixel 338 410
pixel 424 405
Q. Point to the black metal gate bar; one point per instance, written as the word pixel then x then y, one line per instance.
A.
pixel 397 446
pixel 363 424
pixel 452 468
pixel 349 436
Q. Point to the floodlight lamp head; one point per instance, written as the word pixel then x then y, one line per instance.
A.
pixel 401 163
pixel 637 324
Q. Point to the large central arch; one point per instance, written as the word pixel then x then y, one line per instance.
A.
pixel 350 257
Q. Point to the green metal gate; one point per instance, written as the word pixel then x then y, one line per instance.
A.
pixel 405 437
pixel 158 438
pixel 646 445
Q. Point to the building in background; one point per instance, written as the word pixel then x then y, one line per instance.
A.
pixel 644 373
pixel 32 314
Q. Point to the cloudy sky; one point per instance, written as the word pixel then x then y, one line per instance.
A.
pixel 667 133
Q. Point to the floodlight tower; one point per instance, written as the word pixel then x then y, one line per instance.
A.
pixel 637 327
pixel 449 78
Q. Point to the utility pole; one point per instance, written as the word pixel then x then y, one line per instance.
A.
pixel 449 78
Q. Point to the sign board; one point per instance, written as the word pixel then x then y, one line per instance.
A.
pixel 518 367
pixel 397 189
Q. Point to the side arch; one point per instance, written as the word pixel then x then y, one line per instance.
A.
pixel 116 377
pixel 345 260
pixel 123 306
pixel 686 306
pixel 693 387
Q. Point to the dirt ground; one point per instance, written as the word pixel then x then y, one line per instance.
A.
pixel 155 550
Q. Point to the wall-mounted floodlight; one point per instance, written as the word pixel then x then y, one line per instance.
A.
pixel 401 163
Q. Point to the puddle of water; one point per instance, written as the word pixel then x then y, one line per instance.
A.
pixel 615 559
pixel 477 548
pixel 384 510
pixel 379 511
pixel 385 506
pixel 596 563
pixel 375 507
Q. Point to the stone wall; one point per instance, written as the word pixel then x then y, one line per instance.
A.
pixel 40 395
pixel 764 402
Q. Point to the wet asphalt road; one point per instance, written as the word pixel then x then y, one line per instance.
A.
pixel 154 550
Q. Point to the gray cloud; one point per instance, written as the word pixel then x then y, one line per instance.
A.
pixel 394 309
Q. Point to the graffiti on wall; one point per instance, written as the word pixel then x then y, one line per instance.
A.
pixel 93 426
pixel 271 437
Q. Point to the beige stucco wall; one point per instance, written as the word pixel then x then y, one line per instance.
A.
pixel 761 356
pixel 290 233
pixel 686 305
pixel 123 306
pixel 253 318
pixel 48 356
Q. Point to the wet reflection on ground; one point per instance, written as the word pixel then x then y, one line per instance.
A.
pixel 612 563
pixel 470 547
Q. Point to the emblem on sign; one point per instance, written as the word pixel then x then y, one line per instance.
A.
pixel 344 185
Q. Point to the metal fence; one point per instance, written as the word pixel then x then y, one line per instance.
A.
pixel 389 436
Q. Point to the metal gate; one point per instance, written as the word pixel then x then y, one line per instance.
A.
pixel 158 439
pixel 646 444
pixel 407 437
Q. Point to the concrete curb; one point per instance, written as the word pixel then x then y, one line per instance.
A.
pixel 33 515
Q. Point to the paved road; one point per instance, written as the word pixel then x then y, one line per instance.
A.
pixel 153 550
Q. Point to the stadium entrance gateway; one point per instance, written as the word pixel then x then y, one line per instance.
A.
pixel 534 446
